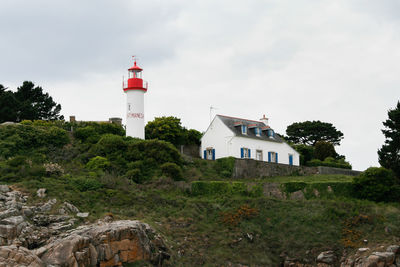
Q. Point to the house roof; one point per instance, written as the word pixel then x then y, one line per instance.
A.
pixel 234 125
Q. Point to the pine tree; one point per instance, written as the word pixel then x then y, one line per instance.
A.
pixel 389 154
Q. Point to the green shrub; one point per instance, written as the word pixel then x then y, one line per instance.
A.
pixel 225 166
pixel 86 184
pixel 87 134
pixel 330 162
pixel 220 188
pixel 377 184
pixel 172 170
pixel 323 149
pixel 135 175
pixel 109 144
pixel 98 163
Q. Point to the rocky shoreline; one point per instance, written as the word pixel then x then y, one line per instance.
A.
pixel 31 236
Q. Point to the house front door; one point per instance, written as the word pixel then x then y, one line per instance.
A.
pixel 259 155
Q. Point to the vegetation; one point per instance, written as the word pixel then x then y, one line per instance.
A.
pixel 170 129
pixel 310 132
pixel 27 103
pixel 389 154
pixel 377 184
pixel 206 217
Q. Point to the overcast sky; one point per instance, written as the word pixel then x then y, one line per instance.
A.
pixel 334 61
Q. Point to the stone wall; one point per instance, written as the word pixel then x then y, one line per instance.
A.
pixel 192 151
pixel 250 168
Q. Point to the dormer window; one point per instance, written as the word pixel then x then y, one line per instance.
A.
pixel 244 129
pixel 270 133
pixel 257 131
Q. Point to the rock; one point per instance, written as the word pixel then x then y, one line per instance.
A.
pixel 106 244
pixel 298 195
pixel 393 248
pixel 316 193
pixel 327 257
pixel 329 189
pixel 47 206
pixel 41 192
pixel 4 188
pixel 70 208
pixel 374 261
pixel 82 214
pixel 387 256
pixel 273 190
pixel 19 256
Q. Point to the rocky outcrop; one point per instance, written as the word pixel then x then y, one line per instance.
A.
pixel 106 244
pixel 31 236
pixel 18 256
pixel 362 258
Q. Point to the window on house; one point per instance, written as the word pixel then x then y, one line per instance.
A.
pixel 290 159
pixel 245 153
pixel 259 155
pixel 209 153
pixel 271 133
pixel 272 157
pixel 257 131
pixel 244 129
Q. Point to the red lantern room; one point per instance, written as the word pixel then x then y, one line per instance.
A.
pixel 135 81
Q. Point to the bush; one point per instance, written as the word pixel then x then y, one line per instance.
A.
pixel 87 134
pixel 86 184
pixel 330 162
pixel 172 170
pixel 98 163
pixel 377 184
pixel 323 149
pixel 225 166
pixel 136 176
pixel 306 153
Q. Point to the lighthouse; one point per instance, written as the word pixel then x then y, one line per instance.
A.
pixel 135 88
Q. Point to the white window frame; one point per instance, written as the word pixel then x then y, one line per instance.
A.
pixel 245 153
pixel 273 156
pixel 259 151
pixel 209 153
pixel 244 129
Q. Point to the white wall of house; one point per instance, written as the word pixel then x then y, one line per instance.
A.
pixel 283 149
pixel 219 137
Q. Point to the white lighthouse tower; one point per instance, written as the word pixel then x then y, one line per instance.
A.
pixel 135 88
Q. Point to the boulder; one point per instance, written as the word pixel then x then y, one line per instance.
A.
pixel 18 256
pixel 298 195
pixel 327 257
pixel 106 244
pixel 41 192
pixel 82 214
pixel 4 188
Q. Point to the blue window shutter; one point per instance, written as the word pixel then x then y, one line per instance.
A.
pixel 249 153
pixel 290 159
pixel 269 156
pixel 205 154
pixel 276 157
pixel 241 152
pixel 213 155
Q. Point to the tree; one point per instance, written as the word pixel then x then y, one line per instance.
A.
pixel 28 103
pixel 389 154
pixel 377 184
pixel 33 104
pixel 324 150
pixel 8 105
pixel 310 132
pixel 165 128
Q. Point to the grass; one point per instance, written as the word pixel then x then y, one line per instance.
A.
pixel 206 230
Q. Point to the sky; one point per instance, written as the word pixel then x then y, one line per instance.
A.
pixel 337 61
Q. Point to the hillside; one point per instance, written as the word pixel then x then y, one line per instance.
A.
pixel 205 217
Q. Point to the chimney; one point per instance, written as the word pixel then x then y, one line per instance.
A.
pixel 72 119
pixel 264 120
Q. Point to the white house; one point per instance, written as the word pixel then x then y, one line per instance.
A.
pixel 241 138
